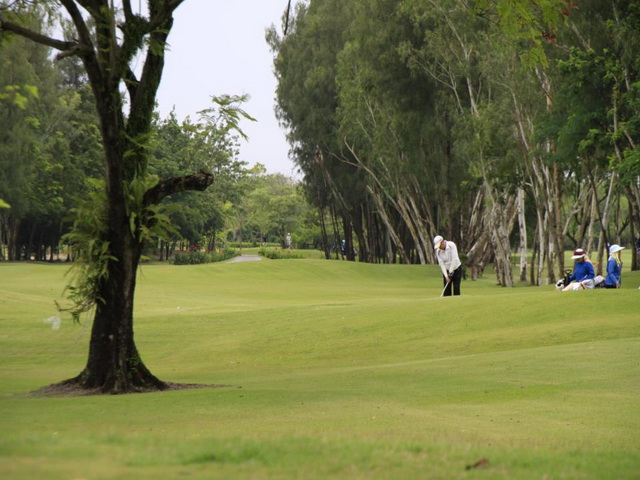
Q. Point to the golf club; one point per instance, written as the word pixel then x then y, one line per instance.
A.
pixel 445 287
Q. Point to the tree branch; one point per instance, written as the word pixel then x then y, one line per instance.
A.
pixel 199 181
pixel 88 4
pixel 165 11
pixel 286 21
pixel 80 24
pixel 131 82
pixel 128 11
pixel 158 16
pixel 36 37
pixel 143 96
pixel 77 50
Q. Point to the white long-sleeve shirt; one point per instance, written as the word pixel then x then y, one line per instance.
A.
pixel 448 258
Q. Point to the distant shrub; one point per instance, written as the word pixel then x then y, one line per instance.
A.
pixel 197 257
pixel 253 244
pixel 189 258
pixel 276 254
pixel 223 255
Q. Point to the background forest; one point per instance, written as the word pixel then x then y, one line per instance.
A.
pixel 51 158
pixel 504 126
pixel 510 130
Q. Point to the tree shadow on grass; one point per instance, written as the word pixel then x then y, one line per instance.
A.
pixel 71 389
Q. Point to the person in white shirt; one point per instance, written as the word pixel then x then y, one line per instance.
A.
pixel 447 254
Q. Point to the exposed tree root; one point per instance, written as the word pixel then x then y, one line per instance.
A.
pixel 74 388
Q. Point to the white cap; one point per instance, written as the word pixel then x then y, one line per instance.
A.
pixel 615 248
pixel 437 240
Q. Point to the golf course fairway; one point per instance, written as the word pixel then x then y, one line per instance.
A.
pixel 328 370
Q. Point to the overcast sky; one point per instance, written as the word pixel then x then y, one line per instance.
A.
pixel 218 47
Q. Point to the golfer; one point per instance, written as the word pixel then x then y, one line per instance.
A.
pixel 583 273
pixel 447 254
pixel 614 267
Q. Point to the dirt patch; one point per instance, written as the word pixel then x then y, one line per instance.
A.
pixel 64 389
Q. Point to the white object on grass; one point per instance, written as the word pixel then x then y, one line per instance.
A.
pixel 54 321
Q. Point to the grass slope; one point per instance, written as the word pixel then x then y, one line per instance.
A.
pixel 335 370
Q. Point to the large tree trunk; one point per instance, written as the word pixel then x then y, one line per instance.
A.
pixel 114 364
pixel 500 218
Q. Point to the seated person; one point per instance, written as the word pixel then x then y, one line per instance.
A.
pixel 583 273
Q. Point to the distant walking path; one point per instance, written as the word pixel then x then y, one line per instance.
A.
pixel 246 258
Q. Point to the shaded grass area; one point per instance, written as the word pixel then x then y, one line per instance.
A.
pixel 336 370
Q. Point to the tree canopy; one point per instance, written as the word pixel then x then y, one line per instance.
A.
pixel 505 126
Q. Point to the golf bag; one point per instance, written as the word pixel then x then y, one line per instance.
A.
pixel 597 282
pixel 564 281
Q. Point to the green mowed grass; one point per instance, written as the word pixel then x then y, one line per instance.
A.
pixel 331 370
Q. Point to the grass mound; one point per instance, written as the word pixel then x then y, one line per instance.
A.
pixel 337 370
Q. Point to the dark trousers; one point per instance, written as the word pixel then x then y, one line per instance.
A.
pixel 455 278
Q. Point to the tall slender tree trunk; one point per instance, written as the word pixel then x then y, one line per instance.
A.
pixel 542 242
pixel 634 226
pixel 323 232
pixel 13 248
pixel 522 226
pixel 592 216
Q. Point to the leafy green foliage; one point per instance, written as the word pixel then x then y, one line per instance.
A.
pixel 274 206
pixel 226 114
pixel 210 144
pixel 48 149
pixel 278 253
pixel 199 257
pixel 19 94
pixel 91 252
pixel 529 24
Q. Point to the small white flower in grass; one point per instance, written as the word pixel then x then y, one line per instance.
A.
pixel 55 322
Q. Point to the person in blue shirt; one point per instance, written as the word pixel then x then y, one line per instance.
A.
pixel 614 267
pixel 583 273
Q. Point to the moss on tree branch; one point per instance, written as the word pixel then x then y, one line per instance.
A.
pixel 199 181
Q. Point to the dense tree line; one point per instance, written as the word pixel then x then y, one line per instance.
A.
pixel 51 160
pixel 505 126
pixel 49 145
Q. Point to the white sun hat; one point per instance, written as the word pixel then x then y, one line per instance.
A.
pixel 578 253
pixel 615 248
pixel 437 240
